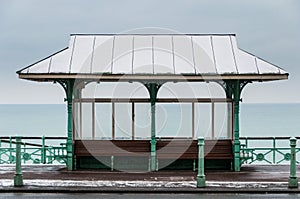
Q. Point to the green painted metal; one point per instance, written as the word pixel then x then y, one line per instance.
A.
pixel 112 163
pixel 236 143
pixel 149 164
pixel 274 152
pixel 11 157
pixel 25 155
pixel 270 155
pixel 201 176
pixel 293 179
pixel 194 165
pixel 33 153
pixel 153 90
pixel 18 178
pixel 69 92
pixel 68 86
pixel 233 91
pixel 43 155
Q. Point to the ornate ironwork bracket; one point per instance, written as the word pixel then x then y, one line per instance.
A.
pixel 229 86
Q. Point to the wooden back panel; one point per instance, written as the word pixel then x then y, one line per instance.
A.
pixel 112 148
pixel 185 149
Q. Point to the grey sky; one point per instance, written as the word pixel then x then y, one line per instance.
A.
pixel 31 30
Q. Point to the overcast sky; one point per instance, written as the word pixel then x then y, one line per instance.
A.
pixel 33 29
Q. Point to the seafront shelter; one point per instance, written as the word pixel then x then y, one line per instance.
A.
pixel 107 132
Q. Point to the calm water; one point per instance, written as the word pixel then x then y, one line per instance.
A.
pixel 33 120
pixel 50 120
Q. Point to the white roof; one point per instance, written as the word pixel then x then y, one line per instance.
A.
pixel 152 55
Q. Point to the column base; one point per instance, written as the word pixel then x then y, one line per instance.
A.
pixel 153 164
pixel 236 164
pixel 293 182
pixel 237 161
pixel 201 181
pixel 70 163
pixel 18 180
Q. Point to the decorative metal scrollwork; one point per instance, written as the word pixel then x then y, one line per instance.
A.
pixel 12 158
pixel 287 156
pixel 260 157
pixel 26 156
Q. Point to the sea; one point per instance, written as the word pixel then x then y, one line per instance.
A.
pixel 256 119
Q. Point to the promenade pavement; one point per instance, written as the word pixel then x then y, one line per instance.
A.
pixel 56 178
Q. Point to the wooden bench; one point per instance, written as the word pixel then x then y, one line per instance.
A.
pixel 166 149
pixel 188 149
pixel 112 154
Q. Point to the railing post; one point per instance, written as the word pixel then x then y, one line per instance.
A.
pixel 274 150
pixel 11 159
pixel 43 155
pixel 201 175
pixel 246 146
pixel 18 178
pixel 293 179
pixel 24 151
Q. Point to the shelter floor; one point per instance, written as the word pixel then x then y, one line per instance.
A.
pixel 248 173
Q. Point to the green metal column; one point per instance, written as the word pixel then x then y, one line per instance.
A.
pixel 293 179
pixel 153 90
pixel 69 94
pixel 18 178
pixel 201 175
pixel 236 143
pixel 228 91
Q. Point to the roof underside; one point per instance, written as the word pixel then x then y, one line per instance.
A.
pixel 153 57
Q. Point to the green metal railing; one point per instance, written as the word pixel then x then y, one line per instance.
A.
pixel 267 150
pixel 34 150
pixel 52 150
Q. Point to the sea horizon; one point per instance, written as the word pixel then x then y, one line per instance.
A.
pixel 256 119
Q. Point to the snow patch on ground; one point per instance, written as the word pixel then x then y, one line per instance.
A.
pixel 146 184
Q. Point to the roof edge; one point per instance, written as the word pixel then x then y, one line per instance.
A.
pixel 153 34
pixel 19 71
pixel 122 77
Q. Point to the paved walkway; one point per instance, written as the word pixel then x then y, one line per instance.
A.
pixel 252 178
